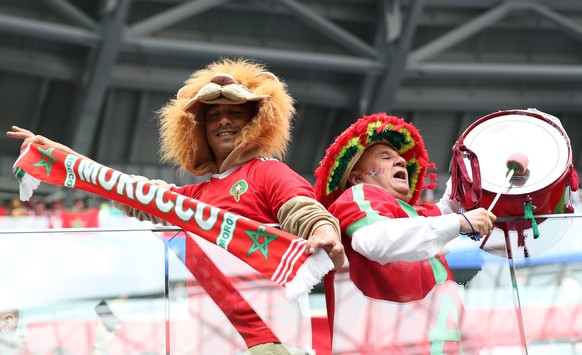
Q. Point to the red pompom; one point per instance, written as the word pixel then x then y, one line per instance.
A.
pixel 573 179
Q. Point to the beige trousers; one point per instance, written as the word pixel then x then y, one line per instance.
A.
pixel 268 349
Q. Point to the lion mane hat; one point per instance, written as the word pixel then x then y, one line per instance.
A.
pixel 183 141
pixel 341 156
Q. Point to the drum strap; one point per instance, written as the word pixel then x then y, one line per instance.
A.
pixel 466 192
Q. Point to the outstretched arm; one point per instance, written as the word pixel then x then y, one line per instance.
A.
pixel 29 137
pixel 373 219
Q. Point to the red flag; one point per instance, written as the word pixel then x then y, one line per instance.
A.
pixel 80 219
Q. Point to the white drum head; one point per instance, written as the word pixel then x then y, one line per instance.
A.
pixel 495 139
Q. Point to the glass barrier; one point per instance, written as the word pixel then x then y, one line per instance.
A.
pixel 84 292
pixel 125 288
pixel 524 292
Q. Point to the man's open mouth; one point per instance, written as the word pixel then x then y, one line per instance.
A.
pixel 400 175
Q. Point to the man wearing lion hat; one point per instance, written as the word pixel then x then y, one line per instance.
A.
pixel 232 120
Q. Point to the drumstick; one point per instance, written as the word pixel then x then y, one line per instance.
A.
pixel 516 164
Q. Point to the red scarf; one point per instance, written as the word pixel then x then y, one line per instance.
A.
pixel 276 254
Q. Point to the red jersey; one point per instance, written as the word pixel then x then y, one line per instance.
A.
pixel 255 190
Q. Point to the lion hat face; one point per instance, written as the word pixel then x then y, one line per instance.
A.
pixel 183 141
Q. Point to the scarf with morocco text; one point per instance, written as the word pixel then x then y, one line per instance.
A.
pixel 285 263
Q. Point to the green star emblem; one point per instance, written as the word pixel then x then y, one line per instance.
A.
pixel 263 246
pixel 47 160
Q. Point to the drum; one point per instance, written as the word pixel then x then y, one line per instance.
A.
pixel 544 188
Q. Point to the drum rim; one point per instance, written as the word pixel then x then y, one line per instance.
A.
pixel 537 114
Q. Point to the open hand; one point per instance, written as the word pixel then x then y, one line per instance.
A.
pixel 29 137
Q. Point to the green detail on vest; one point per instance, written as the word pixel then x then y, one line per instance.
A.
pixel 410 211
pixel 440 334
pixel 372 216
pixel 438 269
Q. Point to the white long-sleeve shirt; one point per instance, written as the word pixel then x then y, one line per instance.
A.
pixel 380 229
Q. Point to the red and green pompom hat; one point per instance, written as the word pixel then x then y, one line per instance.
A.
pixel 344 152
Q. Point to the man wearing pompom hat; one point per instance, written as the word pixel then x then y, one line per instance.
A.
pixel 371 179
pixel 232 120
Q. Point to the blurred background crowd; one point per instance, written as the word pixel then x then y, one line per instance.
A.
pixel 60 210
